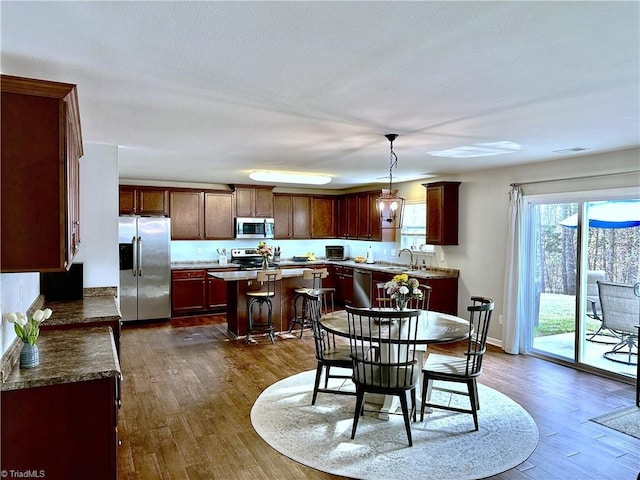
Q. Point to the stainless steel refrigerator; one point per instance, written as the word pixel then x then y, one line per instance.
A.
pixel 145 268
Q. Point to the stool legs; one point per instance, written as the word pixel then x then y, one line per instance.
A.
pixel 268 326
pixel 301 319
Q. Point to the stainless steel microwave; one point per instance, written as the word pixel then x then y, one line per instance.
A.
pixel 247 227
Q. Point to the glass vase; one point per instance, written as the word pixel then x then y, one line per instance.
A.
pixel 265 263
pixel 29 356
pixel 401 303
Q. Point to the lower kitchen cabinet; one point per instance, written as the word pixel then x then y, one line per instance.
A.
pixel 217 291
pixel 62 431
pixel 188 292
pixel 194 292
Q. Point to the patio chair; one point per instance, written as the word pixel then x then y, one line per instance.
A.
pixel 620 313
pixel 467 369
pixel 602 334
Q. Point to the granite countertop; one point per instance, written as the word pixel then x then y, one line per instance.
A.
pixel 89 309
pixel 68 356
pixel 430 272
pixel 252 274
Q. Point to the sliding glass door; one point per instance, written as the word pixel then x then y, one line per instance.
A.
pixel 574 244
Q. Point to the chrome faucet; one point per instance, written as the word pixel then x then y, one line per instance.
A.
pixel 411 264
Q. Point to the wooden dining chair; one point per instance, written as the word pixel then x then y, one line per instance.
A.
pixel 394 368
pixel 460 369
pixel 421 303
pixel 328 353
pixel 382 299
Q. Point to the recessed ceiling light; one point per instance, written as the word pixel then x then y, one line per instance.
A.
pixel 479 150
pixel 571 150
pixel 286 177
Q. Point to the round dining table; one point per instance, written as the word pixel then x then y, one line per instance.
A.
pixel 433 328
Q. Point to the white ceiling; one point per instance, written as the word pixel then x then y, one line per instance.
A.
pixel 208 91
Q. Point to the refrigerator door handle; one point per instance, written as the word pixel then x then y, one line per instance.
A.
pixel 139 256
pixel 134 266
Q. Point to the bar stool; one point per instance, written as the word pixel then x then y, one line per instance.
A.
pixel 260 298
pixel 325 294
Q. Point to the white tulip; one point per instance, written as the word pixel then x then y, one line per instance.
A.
pixel 47 313
pixel 21 319
pixel 11 317
pixel 38 316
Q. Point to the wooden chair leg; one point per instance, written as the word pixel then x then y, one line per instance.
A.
pixel 405 415
pixel 317 383
pixel 356 416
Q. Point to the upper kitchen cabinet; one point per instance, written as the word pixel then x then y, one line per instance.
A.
pixel 323 217
pixel 347 216
pixel 368 219
pixel 442 213
pixel 292 216
pixel 201 215
pixel 41 146
pixel 252 201
pixel 218 215
pixel 136 200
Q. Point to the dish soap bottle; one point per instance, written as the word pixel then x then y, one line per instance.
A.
pixel 370 255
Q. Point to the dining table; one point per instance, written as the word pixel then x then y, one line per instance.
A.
pixel 432 328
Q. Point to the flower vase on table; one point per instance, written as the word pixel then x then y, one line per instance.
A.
pixel 265 251
pixel 402 289
pixel 28 330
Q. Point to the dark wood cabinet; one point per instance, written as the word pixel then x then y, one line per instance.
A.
pixel 188 291
pixel 444 294
pixel 300 222
pixel 187 214
pixel 358 217
pixel 348 216
pixel 252 201
pixel 323 217
pixel 218 216
pixel 282 216
pixel 41 146
pixel 76 421
pixel 442 213
pixel 217 291
pixel 139 200
pixel 201 215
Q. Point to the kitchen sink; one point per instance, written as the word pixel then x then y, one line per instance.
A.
pixel 396 269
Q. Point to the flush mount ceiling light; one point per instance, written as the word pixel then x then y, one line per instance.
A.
pixel 390 205
pixel 286 177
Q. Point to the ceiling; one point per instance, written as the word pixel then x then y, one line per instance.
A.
pixel 206 92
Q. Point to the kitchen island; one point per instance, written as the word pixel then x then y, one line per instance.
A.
pixel 238 283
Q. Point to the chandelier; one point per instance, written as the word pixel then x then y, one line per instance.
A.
pixel 390 205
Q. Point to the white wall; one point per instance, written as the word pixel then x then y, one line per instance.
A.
pixel 98 235
pixel 99 215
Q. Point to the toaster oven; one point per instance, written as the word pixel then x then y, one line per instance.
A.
pixel 336 252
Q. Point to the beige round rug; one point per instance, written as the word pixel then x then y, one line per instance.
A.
pixel 445 446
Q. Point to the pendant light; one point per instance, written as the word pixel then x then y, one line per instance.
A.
pixel 390 205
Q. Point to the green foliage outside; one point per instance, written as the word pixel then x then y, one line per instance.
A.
pixel 557 315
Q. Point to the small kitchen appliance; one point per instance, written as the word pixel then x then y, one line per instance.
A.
pixel 254 227
pixel 336 252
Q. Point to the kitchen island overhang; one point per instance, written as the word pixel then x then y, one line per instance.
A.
pixel 240 282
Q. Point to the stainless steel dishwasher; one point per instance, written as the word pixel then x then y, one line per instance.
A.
pixel 361 288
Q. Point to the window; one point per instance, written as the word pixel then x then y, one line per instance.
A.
pixel 414 227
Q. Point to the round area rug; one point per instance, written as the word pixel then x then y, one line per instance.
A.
pixel 445 446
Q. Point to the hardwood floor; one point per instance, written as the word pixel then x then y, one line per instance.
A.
pixel 189 387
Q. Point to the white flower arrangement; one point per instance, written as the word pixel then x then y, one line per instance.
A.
pixel 265 250
pixel 28 329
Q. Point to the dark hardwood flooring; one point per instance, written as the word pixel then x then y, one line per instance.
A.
pixel 189 387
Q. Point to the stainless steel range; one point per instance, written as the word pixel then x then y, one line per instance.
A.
pixel 248 259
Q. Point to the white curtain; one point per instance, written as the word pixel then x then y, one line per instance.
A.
pixel 514 333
